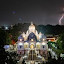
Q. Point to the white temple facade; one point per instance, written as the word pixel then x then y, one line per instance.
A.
pixel 30 45
pixel 32 40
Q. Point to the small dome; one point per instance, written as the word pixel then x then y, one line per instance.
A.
pixel 31 27
pixel 43 37
pixel 21 38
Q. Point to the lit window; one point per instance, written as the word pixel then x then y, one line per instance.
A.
pixel 38 46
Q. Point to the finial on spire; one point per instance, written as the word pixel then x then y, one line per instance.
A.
pixel 31 23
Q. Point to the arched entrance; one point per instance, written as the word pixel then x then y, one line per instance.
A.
pixel 32 54
pixel 31 46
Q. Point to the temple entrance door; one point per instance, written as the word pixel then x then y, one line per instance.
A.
pixel 32 46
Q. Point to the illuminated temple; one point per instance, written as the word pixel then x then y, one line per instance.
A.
pixel 30 45
pixel 32 42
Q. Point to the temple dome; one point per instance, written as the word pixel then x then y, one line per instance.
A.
pixel 31 27
pixel 42 37
pixel 21 38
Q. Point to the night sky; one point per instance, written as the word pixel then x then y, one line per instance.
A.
pixel 24 11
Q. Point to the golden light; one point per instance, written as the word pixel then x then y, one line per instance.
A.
pixel 43 39
pixel 20 39
pixel 32 40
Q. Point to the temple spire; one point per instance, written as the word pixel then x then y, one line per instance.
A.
pixel 31 23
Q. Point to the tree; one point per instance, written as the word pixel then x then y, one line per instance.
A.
pixel 60 41
pixel 2 43
pixel 8 38
pixel 2 37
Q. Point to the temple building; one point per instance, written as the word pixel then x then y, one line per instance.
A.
pixel 30 45
pixel 32 41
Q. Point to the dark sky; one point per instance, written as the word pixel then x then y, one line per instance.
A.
pixel 38 11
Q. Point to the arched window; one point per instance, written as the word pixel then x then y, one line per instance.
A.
pixel 38 45
pixel 26 45
pixel 32 36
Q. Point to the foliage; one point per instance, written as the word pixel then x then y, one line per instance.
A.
pixel 50 29
pixel 2 37
pixel 60 42
pixel 60 45
pixel 8 39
